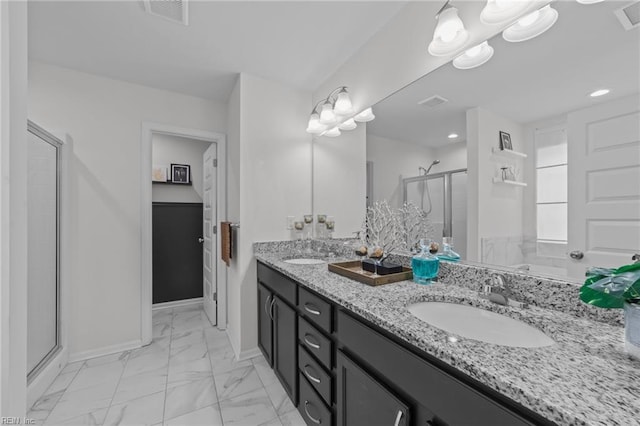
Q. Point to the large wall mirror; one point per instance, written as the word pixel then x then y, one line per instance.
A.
pixel 568 194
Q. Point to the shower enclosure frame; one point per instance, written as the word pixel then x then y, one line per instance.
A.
pixel 47 137
pixel 447 229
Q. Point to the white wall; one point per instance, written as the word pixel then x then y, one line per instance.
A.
pixel 394 160
pixel 269 179
pixel 168 149
pixel 452 156
pixel 13 200
pixel 493 210
pixel 104 117
pixel 340 179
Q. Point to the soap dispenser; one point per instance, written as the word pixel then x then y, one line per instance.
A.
pixel 425 265
pixel 447 251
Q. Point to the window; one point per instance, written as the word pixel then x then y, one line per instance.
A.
pixel 551 187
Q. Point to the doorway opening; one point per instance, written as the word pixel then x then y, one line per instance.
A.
pixel 211 190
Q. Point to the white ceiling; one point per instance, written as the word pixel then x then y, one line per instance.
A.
pixel 587 49
pixel 298 43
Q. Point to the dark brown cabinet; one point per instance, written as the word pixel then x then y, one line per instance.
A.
pixel 285 353
pixel 363 401
pixel 277 328
pixel 265 323
pixel 342 370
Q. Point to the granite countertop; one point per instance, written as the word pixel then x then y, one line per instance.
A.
pixel 585 378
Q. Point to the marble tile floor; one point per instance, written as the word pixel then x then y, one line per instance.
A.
pixel 187 376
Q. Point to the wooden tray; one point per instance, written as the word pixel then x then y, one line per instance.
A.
pixel 353 269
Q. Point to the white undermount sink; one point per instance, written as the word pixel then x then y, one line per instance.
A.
pixel 303 261
pixel 480 324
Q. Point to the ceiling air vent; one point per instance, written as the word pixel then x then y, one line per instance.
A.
pixel 433 101
pixel 629 15
pixel 172 10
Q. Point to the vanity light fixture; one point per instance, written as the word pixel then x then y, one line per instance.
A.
pixel 474 57
pixel 498 12
pixel 531 25
pixel 600 92
pixel 450 34
pixel 452 136
pixel 331 111
pixel 589 1
pixel 365 116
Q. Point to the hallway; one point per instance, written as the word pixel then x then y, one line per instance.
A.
pixel 187 376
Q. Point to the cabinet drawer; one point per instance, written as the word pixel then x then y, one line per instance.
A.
pixel 277 282
pixel 315 309
pixel 432 387
pixel 311 407
pixel 315 374
pixel 315 342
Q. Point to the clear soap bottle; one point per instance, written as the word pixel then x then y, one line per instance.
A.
pixel 425 265
pixel 447 251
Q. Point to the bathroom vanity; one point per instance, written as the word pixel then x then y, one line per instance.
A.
pixel 349 354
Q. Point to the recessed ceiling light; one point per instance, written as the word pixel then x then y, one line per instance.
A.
pixel 453 136
pixel 600 92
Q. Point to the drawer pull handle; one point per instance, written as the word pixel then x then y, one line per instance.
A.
pixel 309 376
pixel 398 418
pixel 311 310
pixel 306 410
pixel 313 345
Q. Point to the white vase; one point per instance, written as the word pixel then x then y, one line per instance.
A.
pixel 632 329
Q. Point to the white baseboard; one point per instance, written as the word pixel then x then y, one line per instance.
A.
pixel 177 303
pixel 43 380
pixel 107 350
pixel 248 354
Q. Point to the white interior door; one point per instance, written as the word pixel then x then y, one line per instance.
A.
pixel 209 221
pixel 604 185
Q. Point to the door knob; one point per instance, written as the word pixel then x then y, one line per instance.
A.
pixel 576 254
pixel 201 240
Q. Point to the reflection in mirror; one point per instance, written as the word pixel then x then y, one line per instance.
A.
pixel 567 196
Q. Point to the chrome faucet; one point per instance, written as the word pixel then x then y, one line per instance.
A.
pixel 498 291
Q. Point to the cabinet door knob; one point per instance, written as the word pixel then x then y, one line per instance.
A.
pixel 201 240
pixel 313 419
pixel 576 254
pixel 266 303
pixel 398 418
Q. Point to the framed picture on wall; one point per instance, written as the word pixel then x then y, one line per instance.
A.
pixel 505 141
pixel 159 174
pixel 181 173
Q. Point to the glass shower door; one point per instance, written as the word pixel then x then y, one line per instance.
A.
pixel 42 249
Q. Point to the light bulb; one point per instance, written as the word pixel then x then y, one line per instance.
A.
pixel 531 25
pixel 452 136
pixel 474 57
pixel 365 116
pixel 529 19
pixel 600 92
pixel 449 35
pixel 327 116
pixel 315 126
pixel 350 124
pixel 343 103
pixel 333 132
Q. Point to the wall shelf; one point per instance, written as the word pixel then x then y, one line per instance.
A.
pixel 509 182
pixel 508 153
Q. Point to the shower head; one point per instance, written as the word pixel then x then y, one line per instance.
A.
pixel 432 164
